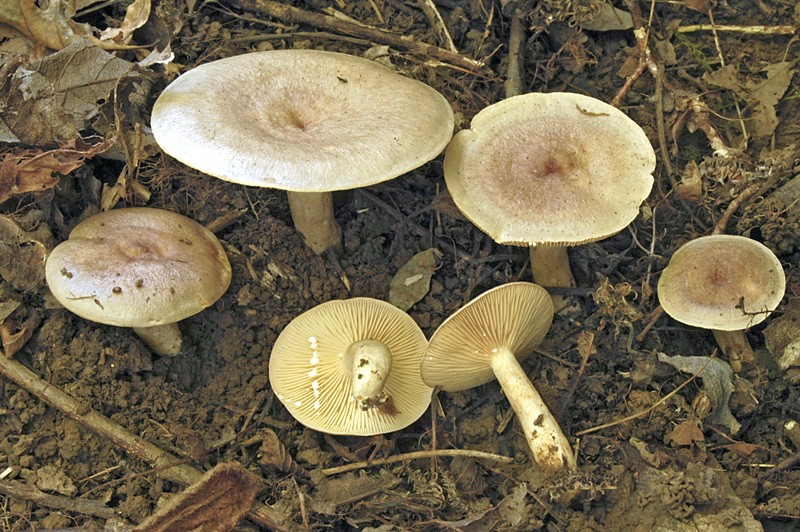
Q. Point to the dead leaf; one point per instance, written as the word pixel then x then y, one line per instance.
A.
pixel 24 244
pixel 685 433
pixel 744 449
pixel 52 26
pixel 782 338
pixel 690 187
pixel 136 14
pixel 717 378
pixel 215 503
pixel 761 95
pixel 51 100
pixel 608 18
pixel 765 95
pixel 413 280
pixel 23 171
pixel 17 329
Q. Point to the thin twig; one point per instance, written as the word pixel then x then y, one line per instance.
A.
pixel 747 30
pixel 480 455
pixel 295 15
pixel 170 466
pixel 79 505
pixel 744 195
pixel 646 410
pixel 438 25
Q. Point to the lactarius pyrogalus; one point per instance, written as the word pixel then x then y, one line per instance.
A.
pixel 351 367
pixel 550 171
pixel 485 339
pixel 724 283
pixel 305 121
pixel 142 268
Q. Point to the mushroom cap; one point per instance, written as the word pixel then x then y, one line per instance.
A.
pixel 553 169
pixel 138 267
pixel 708 279
pixel 307 372
pixel 515 316
pixel 301 120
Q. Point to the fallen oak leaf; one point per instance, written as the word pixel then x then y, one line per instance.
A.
pixel 52 26
pixel 33 170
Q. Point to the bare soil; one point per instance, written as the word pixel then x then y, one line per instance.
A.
pixel 669 469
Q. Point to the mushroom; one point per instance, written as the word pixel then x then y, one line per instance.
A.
pixel 550 171
pixel 351 367
pixel 724 283
pixel 305 121
pixel 142 268
pixel 486 339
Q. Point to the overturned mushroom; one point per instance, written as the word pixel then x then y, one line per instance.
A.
pixel 306 121
pixel 550 171
pixel 351 367
pixel 485 339
pixel 724 283
pixel 142 268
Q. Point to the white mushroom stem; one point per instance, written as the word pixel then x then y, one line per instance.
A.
pixel 371 364
pixel 734 345
pixel 551 449
pixel 164 340
pixel 312 213
pixel 550 268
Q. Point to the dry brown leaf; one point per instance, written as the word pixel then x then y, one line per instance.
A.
pixel 34 170
pixel 215 503
pixel 136 15
pixel 25 242
pixel 685 433
pixel 51 100
pixel 413 280
pixel 52 26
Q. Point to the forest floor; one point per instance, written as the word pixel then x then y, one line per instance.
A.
pixel 721 106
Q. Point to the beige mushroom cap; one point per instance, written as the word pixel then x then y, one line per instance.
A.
pixel 514 315
pixel 138 267
pixel 708 279
pixel 301 120
pixel 307 372
pixel 550 169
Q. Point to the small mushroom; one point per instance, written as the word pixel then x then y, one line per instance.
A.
pixel 142 268
pixel 724 283
pixel 351 367
pixel 550 171
pixel 306 121
pixel 486 339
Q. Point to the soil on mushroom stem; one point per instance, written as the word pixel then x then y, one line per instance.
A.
pixel 212 403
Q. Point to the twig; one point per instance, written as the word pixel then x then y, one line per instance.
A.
pixel 513 85
pixel 438 25
pixel 401 42
pixel 651 318
pixel 747 30
pixel 480 455
pixel 168 464
pixel 722 64
pixel 646 410
pixel 744 195
pixel 79 505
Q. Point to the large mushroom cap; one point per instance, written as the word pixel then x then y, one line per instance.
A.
pixel 550 169
pixel 309 377
pixel 138 267
pixel 514 315
pixel 301 120
pixel 721 282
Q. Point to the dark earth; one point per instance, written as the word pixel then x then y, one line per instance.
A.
pixel 662 460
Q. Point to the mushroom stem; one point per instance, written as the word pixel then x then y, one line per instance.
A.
pixel 551 449
pixel 164 339
pixel 735 346
pixel 312 213
pixel 550 267
pixel 370 364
